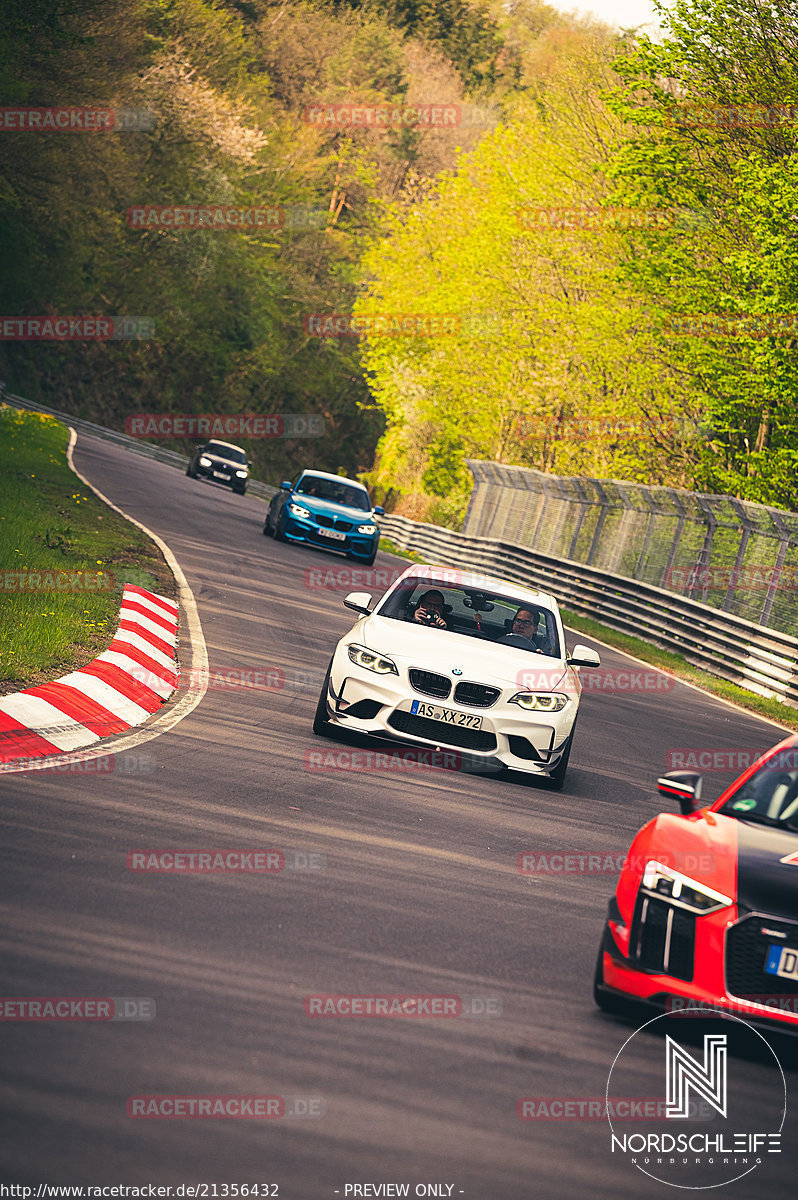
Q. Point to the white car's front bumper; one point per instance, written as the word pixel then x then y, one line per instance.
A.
pixel 380 706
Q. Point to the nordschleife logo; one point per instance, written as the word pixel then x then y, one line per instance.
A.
pixel 721 1099
pixel 685 1074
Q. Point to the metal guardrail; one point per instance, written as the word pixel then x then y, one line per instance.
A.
pixel 760 659
pixel 172 458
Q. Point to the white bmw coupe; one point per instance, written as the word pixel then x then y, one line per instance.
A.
pixel 463 661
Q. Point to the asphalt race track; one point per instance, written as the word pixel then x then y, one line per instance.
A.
pixel 416 891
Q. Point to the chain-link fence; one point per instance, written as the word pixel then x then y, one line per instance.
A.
pixel 739 557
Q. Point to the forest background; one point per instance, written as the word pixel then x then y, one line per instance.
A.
pixel 605 226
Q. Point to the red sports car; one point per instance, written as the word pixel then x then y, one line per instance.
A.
pixel 706 909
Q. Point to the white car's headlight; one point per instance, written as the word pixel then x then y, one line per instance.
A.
pixel 367 528
pixel 540 701
pixel 298 511
pixel 205 461
pixel 371 661
pixel 241 474
pixel 681 889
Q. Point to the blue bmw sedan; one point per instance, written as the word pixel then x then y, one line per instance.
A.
pixel 325 510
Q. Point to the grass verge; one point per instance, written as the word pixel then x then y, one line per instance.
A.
pixel 781 714
pixel 64 557
pixel 388 547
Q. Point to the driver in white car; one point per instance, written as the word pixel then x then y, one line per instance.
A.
pixel 525 623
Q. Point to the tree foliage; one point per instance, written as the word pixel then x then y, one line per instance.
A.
pixel 573 349
pixel 595 363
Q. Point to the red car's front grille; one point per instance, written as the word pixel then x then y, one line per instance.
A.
pixel 747 948
pixel 663 938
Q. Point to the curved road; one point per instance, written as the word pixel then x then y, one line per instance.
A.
pixel 416 891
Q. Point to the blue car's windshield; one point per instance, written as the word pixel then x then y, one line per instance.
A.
pixel 337 491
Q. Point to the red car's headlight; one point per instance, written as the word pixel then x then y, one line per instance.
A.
pixel 687 893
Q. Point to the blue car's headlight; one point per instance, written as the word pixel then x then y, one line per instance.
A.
pixel 367 528
pixel 297 510
pixel 371 661
pixel 241 474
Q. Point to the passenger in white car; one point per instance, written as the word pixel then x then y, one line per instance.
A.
pixel 429 610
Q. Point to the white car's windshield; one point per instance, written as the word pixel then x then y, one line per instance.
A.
pixel 474 612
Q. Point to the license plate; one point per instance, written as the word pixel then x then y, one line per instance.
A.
pixel 332 533
pixel 447 715
pixel 220 475
pixel 782 961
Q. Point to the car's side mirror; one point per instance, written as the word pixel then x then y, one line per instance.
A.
pixel 683 786
pixel 285 486
pixel 359 601
pixel 379 511
pixel 583 656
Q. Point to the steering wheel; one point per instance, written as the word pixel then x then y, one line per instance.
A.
pixel 520 641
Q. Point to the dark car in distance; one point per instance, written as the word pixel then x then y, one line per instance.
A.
pixel 221 462
pixel 325 510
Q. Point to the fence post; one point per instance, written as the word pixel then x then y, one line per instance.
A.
pixel 741 549
pixel 605 508
pixel 677 537
pixel 705 553
pixel 781 554
pixel 652 513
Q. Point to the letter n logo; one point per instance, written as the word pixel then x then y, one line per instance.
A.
pixel 684 1072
